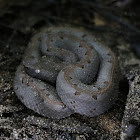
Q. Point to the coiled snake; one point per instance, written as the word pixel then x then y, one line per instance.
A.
pixel 65 70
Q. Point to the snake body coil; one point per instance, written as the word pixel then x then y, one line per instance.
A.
pixel 82 69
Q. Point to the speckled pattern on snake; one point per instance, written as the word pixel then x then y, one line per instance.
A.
pixel 65 71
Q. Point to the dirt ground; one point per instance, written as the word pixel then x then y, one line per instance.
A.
pixel 116 26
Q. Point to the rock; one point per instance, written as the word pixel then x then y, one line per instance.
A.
pixel 131 118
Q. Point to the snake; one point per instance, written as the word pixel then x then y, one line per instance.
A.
pixel 66 70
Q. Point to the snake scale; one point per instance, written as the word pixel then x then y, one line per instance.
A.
pixel 66 70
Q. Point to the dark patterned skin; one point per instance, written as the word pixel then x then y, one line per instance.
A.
pixel 81 69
